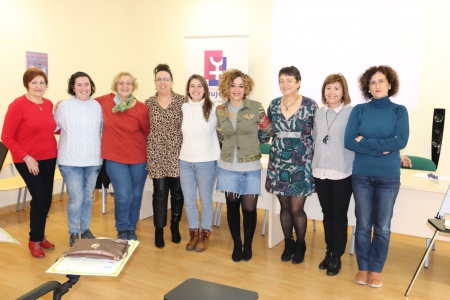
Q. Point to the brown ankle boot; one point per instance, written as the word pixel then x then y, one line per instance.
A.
pixel 193 233
pixel 204 240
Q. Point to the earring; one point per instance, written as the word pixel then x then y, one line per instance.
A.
pixel 369 92
pixel 389 87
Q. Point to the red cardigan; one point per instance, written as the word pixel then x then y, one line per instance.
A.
pixel 124 138
pixel 28 130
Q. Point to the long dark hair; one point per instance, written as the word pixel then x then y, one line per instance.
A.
pixel 207 106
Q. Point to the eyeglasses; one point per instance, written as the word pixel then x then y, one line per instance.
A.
pixel 125 83
pixel 325 139
pixel 160 80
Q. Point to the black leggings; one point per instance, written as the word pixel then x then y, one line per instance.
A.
pixel 161 187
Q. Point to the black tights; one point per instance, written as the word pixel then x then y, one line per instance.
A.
pixel 248 201
pixel 293 216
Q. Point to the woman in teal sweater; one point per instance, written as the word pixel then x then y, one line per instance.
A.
pixel 376 131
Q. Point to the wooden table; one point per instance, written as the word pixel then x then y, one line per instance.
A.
pixel 418 200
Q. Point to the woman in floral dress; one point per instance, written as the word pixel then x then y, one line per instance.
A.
pixel 289 174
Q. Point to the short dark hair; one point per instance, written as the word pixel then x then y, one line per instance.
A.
pixel 290 71
pixel 71 82
pixel 164 68
pixel 32 73
pixel 391 76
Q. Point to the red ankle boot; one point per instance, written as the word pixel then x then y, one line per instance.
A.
pixel 35 249
pixel 46 244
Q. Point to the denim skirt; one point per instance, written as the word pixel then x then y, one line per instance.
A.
pixel 239 182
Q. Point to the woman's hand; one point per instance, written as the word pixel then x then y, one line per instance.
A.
pixel 405 161
pixel 33 165
pixel 56 105
pixel 359 138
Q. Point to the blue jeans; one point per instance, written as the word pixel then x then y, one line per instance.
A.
pixel 80 182
pixel 374 207
pixel 128 181
pixel 201 175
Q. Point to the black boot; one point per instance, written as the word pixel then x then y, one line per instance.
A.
pixel 249 231
pixel 236 256
pixel 159 237
pixel 176 207
pixel 299 253
pixel 175 229
pixel 326 261
pixel 334 266
pixel 289 247
pixel 234 223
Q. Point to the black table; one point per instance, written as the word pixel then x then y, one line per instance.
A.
pixel 196 289
pixel 438 224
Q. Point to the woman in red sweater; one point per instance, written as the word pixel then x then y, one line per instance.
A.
pixel 124 149
pixel 28 133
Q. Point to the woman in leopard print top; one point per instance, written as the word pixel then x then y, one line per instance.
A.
pixel 163 152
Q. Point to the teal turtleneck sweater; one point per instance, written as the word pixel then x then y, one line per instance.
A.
pixel 385 128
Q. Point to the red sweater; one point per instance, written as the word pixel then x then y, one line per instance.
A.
pixel 28 130
pixel 124 138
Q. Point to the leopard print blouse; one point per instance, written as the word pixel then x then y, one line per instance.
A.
pixel 165 138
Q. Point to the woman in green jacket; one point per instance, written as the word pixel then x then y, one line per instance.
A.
pixel 242 123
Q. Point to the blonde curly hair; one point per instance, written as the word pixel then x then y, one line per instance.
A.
pixel 227 79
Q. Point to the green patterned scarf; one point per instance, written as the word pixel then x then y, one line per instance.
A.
pixel 122 106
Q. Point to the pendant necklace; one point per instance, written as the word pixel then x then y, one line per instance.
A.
pixel 327 137
pixel 286 107
pixel 39 105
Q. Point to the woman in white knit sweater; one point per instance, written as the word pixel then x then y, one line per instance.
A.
pixel 80 119
pixel 198 160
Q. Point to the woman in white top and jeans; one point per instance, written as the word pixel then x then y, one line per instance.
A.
pixel 80 119
pixel 198 159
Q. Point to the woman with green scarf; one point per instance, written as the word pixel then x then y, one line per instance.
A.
pixel 124 149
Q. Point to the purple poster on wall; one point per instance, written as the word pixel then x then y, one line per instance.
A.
pixel 38 60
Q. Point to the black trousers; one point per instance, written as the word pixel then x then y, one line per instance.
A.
pixel 334 197
pixel 161 187
pixel 41 191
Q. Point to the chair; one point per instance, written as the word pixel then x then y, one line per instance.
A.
pixel 204 290
pixel 421 163
pixel 265 148
pixel 438 225
pixel 11 183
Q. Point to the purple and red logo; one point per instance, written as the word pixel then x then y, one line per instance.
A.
pixel 215 65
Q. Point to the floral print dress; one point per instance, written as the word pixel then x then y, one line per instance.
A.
pixel 289 172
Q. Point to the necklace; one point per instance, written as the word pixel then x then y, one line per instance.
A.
pixel 37 104
pixel 327 137
pixel 286 107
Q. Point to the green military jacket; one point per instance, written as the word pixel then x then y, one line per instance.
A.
pixel 245 137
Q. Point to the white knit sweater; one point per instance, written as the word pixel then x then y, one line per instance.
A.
pixel 200 142
pixel 81 132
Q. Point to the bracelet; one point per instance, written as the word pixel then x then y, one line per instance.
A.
pixel 25 158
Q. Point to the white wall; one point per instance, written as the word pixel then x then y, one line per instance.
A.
pixel 104 37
